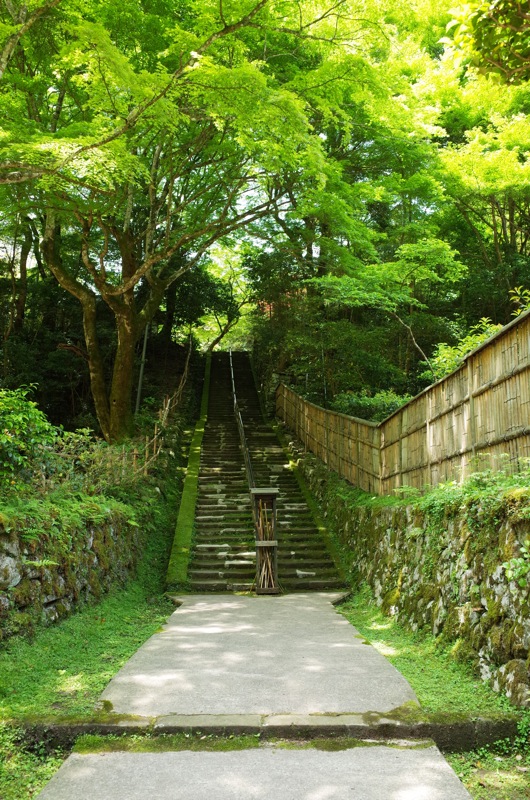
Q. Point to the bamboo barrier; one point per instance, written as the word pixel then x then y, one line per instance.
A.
pixel 481 411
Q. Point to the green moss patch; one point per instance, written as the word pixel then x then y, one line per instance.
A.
pixel 177 572
pixel 164 743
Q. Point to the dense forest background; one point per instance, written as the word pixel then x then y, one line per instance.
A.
pixel 342 187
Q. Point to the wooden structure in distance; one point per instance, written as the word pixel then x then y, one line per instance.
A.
pixel 478 413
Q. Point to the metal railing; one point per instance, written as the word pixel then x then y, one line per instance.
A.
pixel 264 510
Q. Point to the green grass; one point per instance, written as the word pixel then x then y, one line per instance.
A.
pixel 177 571
pixel 442 684
pixel 490 775
pixel 64 669
pixel 23 773
pixel 60 672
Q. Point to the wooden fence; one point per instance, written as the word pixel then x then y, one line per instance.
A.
pixel 144 455
pixel 479 413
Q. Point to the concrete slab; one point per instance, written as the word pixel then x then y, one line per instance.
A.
pixel 228 654
pixel 364 773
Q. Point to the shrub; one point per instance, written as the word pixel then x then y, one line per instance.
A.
pixel 26 436
pixel 374 408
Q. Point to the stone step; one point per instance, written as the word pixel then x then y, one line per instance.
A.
pixel 224 553
pixel 219 585
pixel 227 535
pixel 286 566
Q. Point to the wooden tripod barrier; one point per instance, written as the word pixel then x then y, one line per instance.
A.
pixel 264 502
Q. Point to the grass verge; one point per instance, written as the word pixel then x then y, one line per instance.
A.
pixel 59 672
pixel 23 773
pixel 494 774
pixel 442 684
pixel 447 687
pixel 64 669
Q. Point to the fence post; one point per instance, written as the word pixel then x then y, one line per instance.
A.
pixel 380 491
pixel 340 429
pixel 428 404
pixel 472 420
pixel 400 453
pixel 358 456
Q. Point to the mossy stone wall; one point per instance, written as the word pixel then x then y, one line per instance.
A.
pixel 34 590
pixel 445 576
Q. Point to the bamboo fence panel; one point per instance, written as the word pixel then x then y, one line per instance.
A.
pixel 477 417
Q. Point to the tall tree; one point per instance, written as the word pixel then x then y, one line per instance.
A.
pixel 150 134
pixel 494 35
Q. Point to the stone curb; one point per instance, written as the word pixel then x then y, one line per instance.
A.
pixel 458 736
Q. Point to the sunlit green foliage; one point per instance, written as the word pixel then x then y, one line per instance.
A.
pixel 25 435
pixel 447 358
pixel 494 36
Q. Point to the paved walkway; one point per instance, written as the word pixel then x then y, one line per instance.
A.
pixel 223 654
pixel 265 660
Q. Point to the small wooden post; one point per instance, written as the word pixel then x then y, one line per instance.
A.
pixel 264 506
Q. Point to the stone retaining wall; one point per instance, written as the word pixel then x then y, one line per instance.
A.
pixel 33 590
pixel 447 578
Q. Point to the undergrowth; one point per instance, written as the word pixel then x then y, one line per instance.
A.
pixel 496 773
pixel 61 670
pixel 24 772
pixel 58 673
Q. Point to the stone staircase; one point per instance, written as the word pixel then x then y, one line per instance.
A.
pixel 223 557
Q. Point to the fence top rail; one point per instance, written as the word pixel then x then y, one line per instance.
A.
pixel 366 422
pixel 523 317
pixel 519 320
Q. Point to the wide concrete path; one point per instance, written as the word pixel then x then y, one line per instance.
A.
pixel 364 773
pixel 224 654
pixel 258 658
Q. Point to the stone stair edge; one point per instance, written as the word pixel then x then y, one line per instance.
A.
pixel 458 735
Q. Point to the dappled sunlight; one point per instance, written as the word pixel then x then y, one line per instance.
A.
pixel 206 629
pixel 380 626
pixel 256 656
pixel 324 793
pixel 364 773
pixel 71 683
pixel 414 792
pixel 385 649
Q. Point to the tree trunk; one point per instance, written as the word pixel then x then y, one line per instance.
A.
pixel 20 304
pixel 95 365
pixel 169 316
pixel 51 250
pixel 121 416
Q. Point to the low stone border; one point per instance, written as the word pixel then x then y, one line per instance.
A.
pixel 451 736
